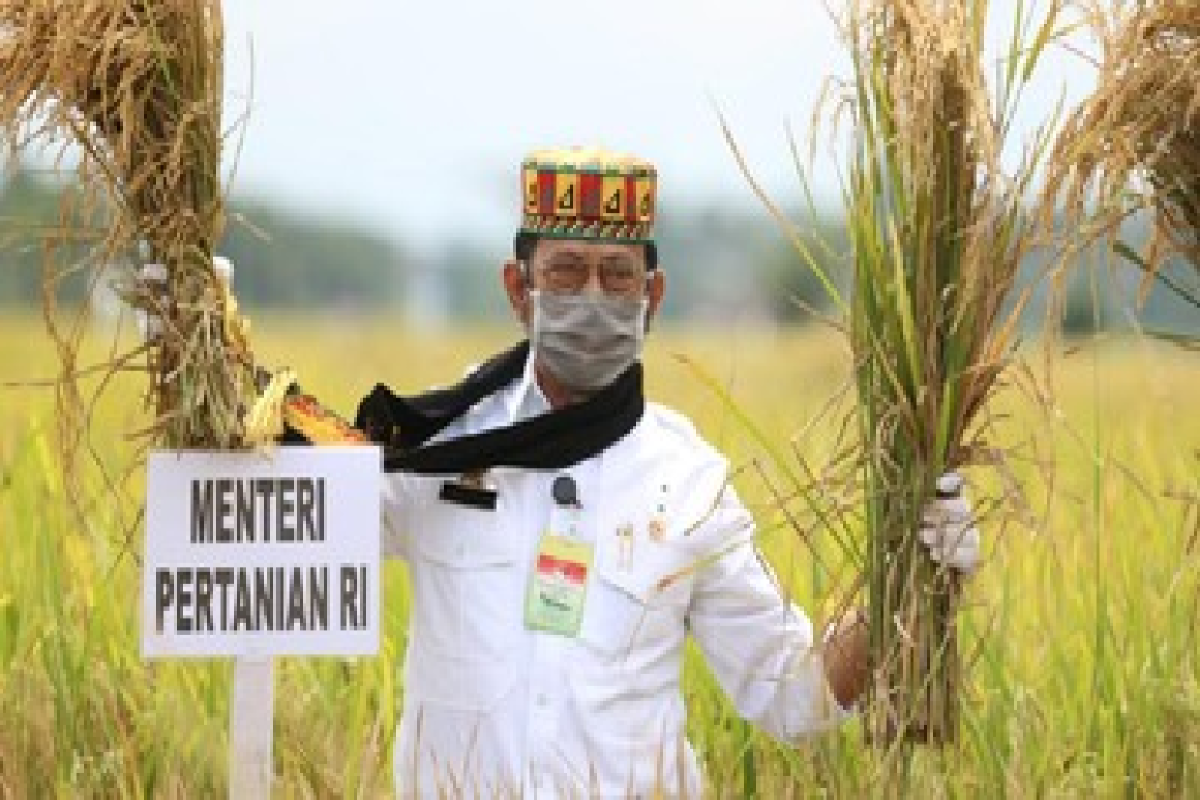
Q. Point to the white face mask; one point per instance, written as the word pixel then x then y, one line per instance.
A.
pixel 587 339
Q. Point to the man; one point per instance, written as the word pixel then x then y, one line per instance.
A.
pixel 564 537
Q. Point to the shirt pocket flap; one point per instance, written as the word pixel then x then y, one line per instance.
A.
pixel 637 584
pixel 463 538
pixel 653 575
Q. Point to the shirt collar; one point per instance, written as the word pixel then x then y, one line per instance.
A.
pixel 526 399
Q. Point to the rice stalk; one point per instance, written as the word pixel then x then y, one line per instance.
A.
pixel 938 231
pixel 1133 146
pixel 135 85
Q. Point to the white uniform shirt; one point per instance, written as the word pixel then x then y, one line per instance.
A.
pixel 491 707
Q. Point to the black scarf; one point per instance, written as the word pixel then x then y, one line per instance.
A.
pixel 559 438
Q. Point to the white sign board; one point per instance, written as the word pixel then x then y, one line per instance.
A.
pixel 262 554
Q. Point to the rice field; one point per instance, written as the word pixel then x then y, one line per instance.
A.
pixel 1079 633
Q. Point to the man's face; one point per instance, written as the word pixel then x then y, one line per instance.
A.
pixel 567 265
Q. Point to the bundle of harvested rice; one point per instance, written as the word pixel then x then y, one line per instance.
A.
pixel 938 231
pixel 1134 144
pixel 136 86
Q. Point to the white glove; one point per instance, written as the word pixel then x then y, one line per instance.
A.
pixel 152 284
pixel 152 280
pixel 948 526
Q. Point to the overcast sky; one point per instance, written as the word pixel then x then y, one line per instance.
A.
pixel 415 115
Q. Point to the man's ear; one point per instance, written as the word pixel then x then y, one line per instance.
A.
pixel 517 288
pixel 656 285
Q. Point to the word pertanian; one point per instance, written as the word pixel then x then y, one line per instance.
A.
pixel 222 599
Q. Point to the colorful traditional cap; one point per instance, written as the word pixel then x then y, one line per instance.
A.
pixel 588 193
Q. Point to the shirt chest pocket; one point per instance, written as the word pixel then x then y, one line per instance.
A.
pixel 466 583
pixel 635 614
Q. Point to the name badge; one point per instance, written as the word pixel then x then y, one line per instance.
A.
pixel 469 491
pixel 558 586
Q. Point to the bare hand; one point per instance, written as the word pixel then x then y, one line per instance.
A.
pixel 847 657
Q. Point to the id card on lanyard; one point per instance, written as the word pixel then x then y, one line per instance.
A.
pixel 558 584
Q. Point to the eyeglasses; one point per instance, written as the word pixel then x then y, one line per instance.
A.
pixel 617 277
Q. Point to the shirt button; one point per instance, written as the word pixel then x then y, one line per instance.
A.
pixel 542 700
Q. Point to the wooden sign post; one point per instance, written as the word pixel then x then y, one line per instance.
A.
pixel 251 727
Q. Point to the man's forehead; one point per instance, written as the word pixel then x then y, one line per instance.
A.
pixel 589 250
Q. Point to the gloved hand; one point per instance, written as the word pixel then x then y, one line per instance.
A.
pixel 151 296
pixel 152 291
pixel 948 526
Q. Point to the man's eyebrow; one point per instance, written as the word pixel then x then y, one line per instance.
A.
pixel 566 256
